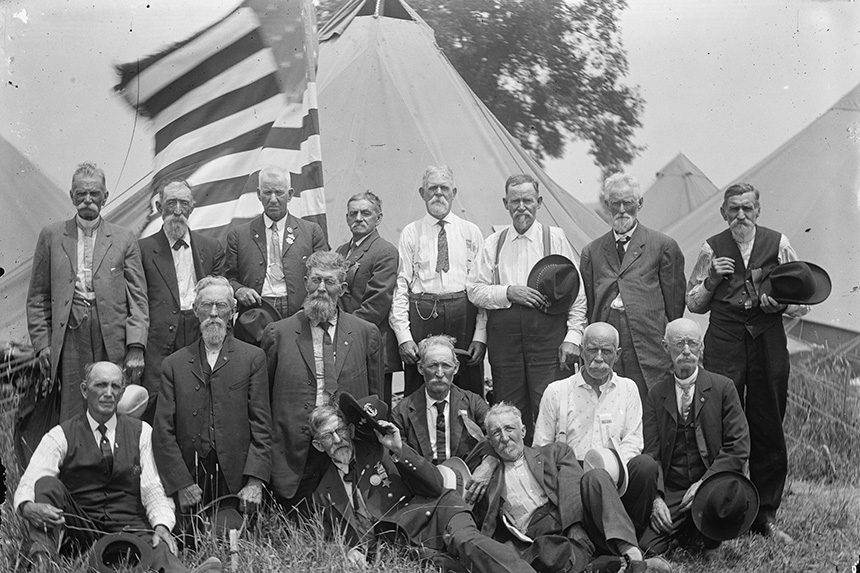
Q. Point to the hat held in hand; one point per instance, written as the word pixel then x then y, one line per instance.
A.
pixel 797 282
pixel 555 277
pixel 364 414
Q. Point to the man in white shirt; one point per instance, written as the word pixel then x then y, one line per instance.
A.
pixel 529 348
pixel 96 473
pixel 437 259
pixel 597 408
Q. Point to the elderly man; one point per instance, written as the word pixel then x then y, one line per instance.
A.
pixel 437 258
pixel 383 486
pixel 529 348
pixel 96 474
pixel 456 416
pixel 312 356
pixel 746 340
pixel 266 256
pixel 174 259
pixel 694 428
pixel 371 277
pixel 87 297
pixel 540 498
pixel 634 280
pixel 213 429
pixel 597 408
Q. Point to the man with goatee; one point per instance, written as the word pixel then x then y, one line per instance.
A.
pixel 213 428
pixel 312 356
pixel 174 259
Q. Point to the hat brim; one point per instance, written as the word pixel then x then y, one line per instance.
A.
pixel 114 548
pixel 364 423
pixel 243 331
pixel 460 471
pixel 714 530
pixel 133 402
pixel 562 305
pixel 821 280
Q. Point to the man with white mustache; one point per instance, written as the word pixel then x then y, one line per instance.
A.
pixel 746 340
pixel 174 259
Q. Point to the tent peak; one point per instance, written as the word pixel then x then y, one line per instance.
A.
pixel 396 9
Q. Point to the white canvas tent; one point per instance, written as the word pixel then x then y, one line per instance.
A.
pixel 680 187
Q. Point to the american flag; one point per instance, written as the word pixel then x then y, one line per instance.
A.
pixel 234 98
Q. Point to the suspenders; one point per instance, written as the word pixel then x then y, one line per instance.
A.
pixel 503 236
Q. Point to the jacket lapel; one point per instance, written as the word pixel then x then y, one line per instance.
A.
pixel 634 248
pixel 291 229
pixel 458 402
pixel 609 252
pixel 163 259
pixel 196 360
pixel 669 402
pixel 101 246
pixel 200 257
pixel 258 235
pixel 535 462
pixel 418 417
pixel 703 392
pixel 305 342
pixel 225 354
pixel 342 344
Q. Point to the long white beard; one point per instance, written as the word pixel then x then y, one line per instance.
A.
pixel 320 309
pixel 175 227
pixel 213 333
pixel 742 233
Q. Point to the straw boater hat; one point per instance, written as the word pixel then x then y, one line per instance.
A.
pixel 608 459
pixel 724 506
pixel 797 282
pixel 133 401
pixel 555 277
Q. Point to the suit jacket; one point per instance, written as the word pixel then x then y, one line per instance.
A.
pixel 247 254
pixel 163 294
pixel 409 498
pixel 239 394
pixel 722 434
pixel 293 387
pixel 118 283
pixel 553 465
pixel 410 416
pixel 652 285
pixel 372 276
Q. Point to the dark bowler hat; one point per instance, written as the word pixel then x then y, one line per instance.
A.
pixel 115 551
pixel 797 282
pixel 725 506
pixel 555 277
pixel 253 320
pixel 364 414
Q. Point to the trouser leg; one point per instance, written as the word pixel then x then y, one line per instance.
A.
pixel 79 531
pixel 478 552
pixel 641 489
pixel 627 364
pixel 604 517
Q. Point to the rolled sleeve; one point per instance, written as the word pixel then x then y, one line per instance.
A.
pixel 159 508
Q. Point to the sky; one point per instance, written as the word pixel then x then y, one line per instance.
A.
pixel 725 82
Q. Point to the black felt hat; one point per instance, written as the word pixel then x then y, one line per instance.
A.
pixel 797 282
pixel 555 277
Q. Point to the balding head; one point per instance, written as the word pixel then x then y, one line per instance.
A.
pixel 102 388
pixel 600 330
pixel 683 343
pixel 599 352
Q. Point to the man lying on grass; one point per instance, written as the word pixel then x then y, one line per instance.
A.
pixel 375 486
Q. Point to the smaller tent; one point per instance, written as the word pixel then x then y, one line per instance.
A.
pixel 680 187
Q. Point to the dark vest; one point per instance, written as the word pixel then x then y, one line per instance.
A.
pixel 105 497
pixel 687 466
pixel 735 304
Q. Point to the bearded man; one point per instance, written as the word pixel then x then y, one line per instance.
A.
pixel 312 356
pixel 174 259
pixel 213 428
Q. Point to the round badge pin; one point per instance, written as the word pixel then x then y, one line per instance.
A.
pixel 375 480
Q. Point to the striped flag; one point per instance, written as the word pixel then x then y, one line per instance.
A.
pixel 228 101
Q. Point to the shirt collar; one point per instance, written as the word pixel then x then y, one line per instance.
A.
pixel 355 244
pixel 186 237
pixel 267 222
pixel 532 234
pixel 333 321
pixel 110 424
pixel 431 220
pixel 689 380
pixel 431 402
pixel 579 380
pixel 628 234
pixel 84 224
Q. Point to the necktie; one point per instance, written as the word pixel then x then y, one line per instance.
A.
pixel 442 262
pixel 441 434
pixel 276 269
pixel 620 247
pixel 686 401
pixel 104 446
pixel 180 244
pixel 328 360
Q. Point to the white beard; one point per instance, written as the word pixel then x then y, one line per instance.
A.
pixel 213 333
pixel 320 310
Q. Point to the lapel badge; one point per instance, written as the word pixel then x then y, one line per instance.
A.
pixel 380 477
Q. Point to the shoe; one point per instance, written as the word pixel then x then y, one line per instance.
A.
pixel 211 565
pixel 712 555
pixel 658 565
pixel 770 529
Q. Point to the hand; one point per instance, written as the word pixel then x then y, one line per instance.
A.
pixel 568 356
pixel 769 305
pixel 526 296
pixel 248 297
pixel 42 515
pixel 251 496
pixel 357 557
pixel 721 268
pixel 476 353
pixel 661 517
pixel 409 352
pixel 189 496
pixel 133 363
pixel 163 534
pixel 689 495
pixel 477 486
pixel 391 439
pixel 44 358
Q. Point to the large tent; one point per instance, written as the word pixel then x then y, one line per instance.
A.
pixel 680 187
pixel 810 191
pixel 391 104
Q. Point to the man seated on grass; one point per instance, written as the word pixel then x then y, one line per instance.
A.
pixel 375 485
pixel 95 474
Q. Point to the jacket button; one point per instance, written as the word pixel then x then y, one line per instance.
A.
pixel 194 413
pixel 174 312
pixel 172 328
pixel 197 387
pixel 309 383
pixel 306 406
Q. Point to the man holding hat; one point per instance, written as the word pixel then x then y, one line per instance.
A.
pixel 695 429
pixel 527 281
pixel 746 339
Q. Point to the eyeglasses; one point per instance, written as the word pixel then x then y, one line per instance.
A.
pixel 329 282
pixel 694 345
pixel 616 205
pixel 328 437
pixel 220 305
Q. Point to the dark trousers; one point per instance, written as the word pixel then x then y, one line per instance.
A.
pixel 759 368
pixel 315 465
pixel 604 516
pixel 627 364
pixel 81 531
pixel 82 344
pixel 683 529
pixel 187 331
pixel 453 315
pixel 641 489
pixel 476 551
pixel 523 345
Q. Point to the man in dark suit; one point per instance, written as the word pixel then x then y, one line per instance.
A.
pixel 87 297
pixel 313 355
pixel 456 416
pixel 383 486
pixel 371 277
pixel 213 427
pixel 174 259
pixel 634 280
pixel 694 427
pixel 266 256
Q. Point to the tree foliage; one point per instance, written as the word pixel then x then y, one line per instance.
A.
pixel 549 70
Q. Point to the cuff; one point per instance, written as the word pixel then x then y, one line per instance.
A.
pixel 403 336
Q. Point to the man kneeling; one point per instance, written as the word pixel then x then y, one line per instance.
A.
pixel 95 474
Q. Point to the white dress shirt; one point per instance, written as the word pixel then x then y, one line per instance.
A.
pixel 417 270
pixel 617 303
pixel 84 277
pixel 680 383
pixel 51 452
pixel 592 421
pixel 319 359
pixel 432 415
pixel 186 278
pixel 270 287
pixel 519 254
pixel 523 494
